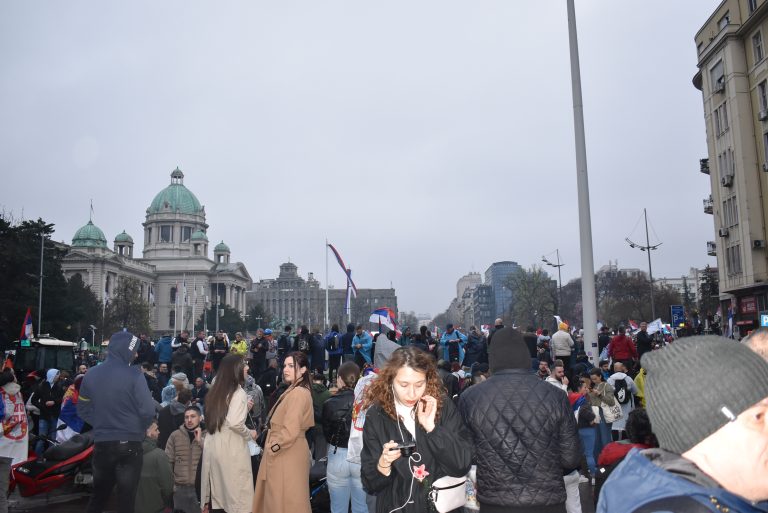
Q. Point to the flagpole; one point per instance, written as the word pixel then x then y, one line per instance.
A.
pixel 183 299
pixel 327 316
pixel 176 310
pixel 40 294
pixel 194 300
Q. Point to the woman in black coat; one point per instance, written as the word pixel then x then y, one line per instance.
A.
pixel 408 406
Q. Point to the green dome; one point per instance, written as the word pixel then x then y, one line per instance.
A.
pixel 89 236
pixel 221 247
pixel 123 237
pixel 199 235
pixel 175 198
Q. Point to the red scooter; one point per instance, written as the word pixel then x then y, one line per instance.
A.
pixel 63 466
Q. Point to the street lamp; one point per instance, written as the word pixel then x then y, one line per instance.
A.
pixel 559 279
pixel 93 336
pixel 647 248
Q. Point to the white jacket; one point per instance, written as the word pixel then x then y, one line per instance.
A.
pixel 562 343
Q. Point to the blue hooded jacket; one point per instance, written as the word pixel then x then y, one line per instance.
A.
pixel 657 475
pixel 453 336
pixel 164 350
pixel 114 396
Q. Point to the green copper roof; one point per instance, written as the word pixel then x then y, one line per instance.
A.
pixel 123 237
pixel 89 236
pixel 199 235
pixel 221 247
pixel 175 198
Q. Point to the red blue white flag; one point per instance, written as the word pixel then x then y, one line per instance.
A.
pixel 26 327
pixel 344 268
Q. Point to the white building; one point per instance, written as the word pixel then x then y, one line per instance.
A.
pixel 175 252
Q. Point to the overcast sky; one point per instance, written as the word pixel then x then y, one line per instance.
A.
pixel 424 139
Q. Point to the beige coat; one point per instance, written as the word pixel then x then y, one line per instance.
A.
pixel 226 477
pixel 283 481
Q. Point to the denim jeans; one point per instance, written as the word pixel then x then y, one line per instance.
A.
pixel 602 435
pixel 588 436
pixel 343 478
pixel 45 428
pixel 116 463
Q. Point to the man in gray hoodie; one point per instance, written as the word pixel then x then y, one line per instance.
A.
pixel 116 401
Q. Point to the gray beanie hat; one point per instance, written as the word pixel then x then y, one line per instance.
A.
pixel 697 385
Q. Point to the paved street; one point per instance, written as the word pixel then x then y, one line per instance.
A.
pixel 38 505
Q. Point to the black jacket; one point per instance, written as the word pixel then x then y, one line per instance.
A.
pixel 644 343
pixel 346 339
pixel 337 417
pixel 169 420
pixel 44 393
pixel 525 435
pixel 446 451
pixel 268 381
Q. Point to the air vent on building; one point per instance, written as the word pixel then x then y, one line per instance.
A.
pixel 727 180
pixel 724 232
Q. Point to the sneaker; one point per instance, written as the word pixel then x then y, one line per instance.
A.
pixel 583 479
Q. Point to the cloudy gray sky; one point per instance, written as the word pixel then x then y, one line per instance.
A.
pixel 424 139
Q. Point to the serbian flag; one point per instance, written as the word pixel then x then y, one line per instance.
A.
pixel 633 325
pixel 26 327
pixel 386 317
pixel 344 268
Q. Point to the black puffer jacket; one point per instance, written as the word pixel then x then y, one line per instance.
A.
pixel 525 437
pixel 337 417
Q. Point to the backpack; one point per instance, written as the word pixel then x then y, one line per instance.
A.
pixel 303 344
pixel 621 392
pixel 333 343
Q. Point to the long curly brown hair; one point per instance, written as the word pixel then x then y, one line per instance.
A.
pixel 380 392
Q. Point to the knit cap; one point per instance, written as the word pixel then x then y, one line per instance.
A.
pixel 696 385
pixel 508 351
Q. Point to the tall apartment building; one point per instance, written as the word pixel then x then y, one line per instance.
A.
pixel 733 80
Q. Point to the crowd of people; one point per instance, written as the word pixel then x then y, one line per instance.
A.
pixel 505 421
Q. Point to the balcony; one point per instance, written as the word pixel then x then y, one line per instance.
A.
pixel 704 166
pixel 708 205
pixel 711 248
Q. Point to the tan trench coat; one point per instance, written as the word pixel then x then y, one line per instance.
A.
pixel 282 484
pixel 226 477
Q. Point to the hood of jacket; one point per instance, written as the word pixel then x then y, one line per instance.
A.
pixel 654 474
pixel 122 347
pixel 176 408
pixel 51 375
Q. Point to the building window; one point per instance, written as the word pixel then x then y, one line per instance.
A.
pixel 757 46
pixel 724 21
pixel 166 233
pixel 149 234
pixel 752 5
pixel 717 74
pixel 173 295
pixel 716 115
pixel 762 97
pixel 172 319
pixel 724 116
pixel 186 233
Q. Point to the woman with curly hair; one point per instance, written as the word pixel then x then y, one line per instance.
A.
pixel 408 406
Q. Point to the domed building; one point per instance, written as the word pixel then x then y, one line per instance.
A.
pixel 175 253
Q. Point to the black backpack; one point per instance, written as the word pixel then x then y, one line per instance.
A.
pixel 303 344
pixel 621 392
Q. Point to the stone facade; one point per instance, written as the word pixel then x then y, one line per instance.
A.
pixel 175 252
pixel 291 299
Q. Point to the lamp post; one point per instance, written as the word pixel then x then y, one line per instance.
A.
pixel 647 248
pixel 559 278
pixel 588 301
